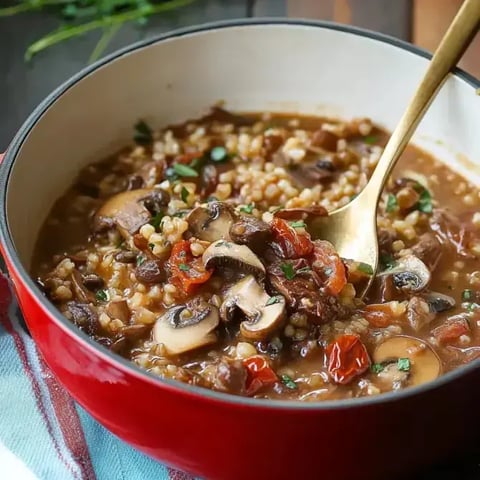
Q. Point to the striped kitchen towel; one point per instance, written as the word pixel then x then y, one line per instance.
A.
pixel 44 435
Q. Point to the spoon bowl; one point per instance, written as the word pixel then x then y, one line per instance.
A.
pixel 352 229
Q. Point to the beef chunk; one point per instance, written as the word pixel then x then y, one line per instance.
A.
pixel 252 232
pixel 84 317
pixel 231 376
pixel 428 249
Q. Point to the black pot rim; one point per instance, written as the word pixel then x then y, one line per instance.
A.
pixel 123 364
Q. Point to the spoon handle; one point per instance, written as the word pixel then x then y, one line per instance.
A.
pixel 459 35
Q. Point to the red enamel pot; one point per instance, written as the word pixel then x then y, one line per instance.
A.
pixel 276 65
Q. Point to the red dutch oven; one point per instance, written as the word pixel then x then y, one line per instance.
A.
pixel 277 65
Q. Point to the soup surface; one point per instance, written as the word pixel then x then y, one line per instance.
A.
pixel 193 254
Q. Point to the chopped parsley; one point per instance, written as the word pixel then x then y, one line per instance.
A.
pixel 140 260
pixel 180 213
pixel 288 382
pixel 184 194
pixel 467 295
pixel 288 270
pixel 377 368
pixel 218 154
pixel 183 267
pixel 365 268
pixel 151 246
pixel 387 261
pixel 391 203
pixel 370 139
pixel 472 306
pixel 298 224
pixel 156 220
pixel 223 243
pixel 247 208
pixel 171 174
pixel 196 163
pixel 102 295
pixel 184 170
pixel 425 202
pixel 403 364
pixel 273 300
pixel 143 133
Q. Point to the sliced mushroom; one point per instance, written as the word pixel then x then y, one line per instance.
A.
pixel 126 210
pixel 211 222
pixel 230 255
pixel 187 327
pixel 252 232
pixel 438 302
pixel 264 314
pixel 81 292
pixel 118 309
pixel 410 275
pixel 424 363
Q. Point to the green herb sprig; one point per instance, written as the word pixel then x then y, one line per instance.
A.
pixel 82 16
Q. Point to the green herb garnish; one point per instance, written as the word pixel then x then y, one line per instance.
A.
pixel 288 270
pixel 273 300
pixel 223 243
pixel 218 154
pixel 184 170
pixel 377 368
pixel 472 306
pixel 82 16
pixel 171 174
pixel 365 268
pixel 180 213
pixel 156 220
pixel 288 382
pixel 370 139
pixel 387 261
pixel 467 295
pixel 403 364
pixel 298 224
pixel 247 208
pixel 143 133
pixel 196 163
pixel 151 246
pixel 101 295
pixel 140 260
pixel 391 203
pixel 183 267
pixel 425 202
pixel 184 194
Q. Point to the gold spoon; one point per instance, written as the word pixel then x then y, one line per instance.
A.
pixel 352 229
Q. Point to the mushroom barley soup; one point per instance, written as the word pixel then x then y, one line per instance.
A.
pixel 193 254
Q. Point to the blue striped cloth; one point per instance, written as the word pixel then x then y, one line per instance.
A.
pixel 44 435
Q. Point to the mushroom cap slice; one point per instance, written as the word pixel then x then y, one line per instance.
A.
pixel 126 210
pixel 411 275
pixel 211 222
pixel 230 255
pixel 425 365
pixel 438 302
pixel 183 328
pixel 264 314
